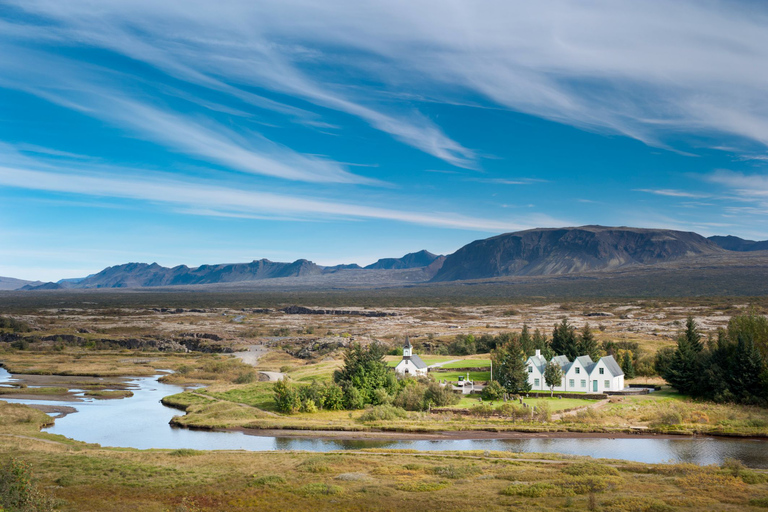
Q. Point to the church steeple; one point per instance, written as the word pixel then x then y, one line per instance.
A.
pixel 407 348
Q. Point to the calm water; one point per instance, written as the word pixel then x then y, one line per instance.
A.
pixel 142 422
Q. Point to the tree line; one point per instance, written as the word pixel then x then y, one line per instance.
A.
pixel 731 367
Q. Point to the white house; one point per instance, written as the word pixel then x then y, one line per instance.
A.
pixel 536 365
pixel 411 365
pixel 582 375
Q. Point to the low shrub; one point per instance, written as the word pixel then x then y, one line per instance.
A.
pixel 589 484
pixel 267 481
pixel 454 472
pixel 320 489
pixel 421 486
pixel 18 490
pixel 537 490
pixel 185 452
pixel 383 413
pixel 590 469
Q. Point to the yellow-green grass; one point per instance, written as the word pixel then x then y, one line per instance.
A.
pixel 107 394
pixel 469 363
pixel 454 376
pixel 554 404
pixel 34 391
pixel 90 478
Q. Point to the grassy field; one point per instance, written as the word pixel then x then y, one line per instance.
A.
pixel 469 363
pixel 80 477
pixel 454 376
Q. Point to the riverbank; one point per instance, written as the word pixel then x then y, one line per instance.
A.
pixel 87 477
pixel 252 407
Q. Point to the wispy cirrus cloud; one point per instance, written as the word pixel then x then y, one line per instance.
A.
pixel 668 192
pixel 208 198
pixel 85 89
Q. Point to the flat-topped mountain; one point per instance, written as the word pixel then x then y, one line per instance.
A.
pixel 422 258
pixel 734 243
pixel 552 251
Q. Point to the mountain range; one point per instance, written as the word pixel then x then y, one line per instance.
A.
pixel 530 253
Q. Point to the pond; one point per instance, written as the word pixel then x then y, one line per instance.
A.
pixel 142 422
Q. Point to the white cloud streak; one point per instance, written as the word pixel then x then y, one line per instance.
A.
pixel 211 199
pixel 671 193
pixel 643 69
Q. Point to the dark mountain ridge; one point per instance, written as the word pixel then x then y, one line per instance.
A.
pixel 734 243
pixel 535 253
pixel 554 251
pixel 422 258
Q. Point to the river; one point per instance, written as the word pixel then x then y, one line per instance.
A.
pixel 142 422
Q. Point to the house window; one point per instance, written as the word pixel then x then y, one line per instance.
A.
pixel 570 383
pixel 535 382
pixel 607 384
pixel 530 369
pixel 578 371
pixel 583 383
pixel 602 371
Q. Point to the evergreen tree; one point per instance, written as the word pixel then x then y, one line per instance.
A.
pixel 553 376
pixel 750 324
pixel 540 342
pixel 364 370
pixel 526 341
pixel 564 340
pixel 627 366
pixel 683 372
pixel 692 335
pixel 509 368
pixel 745 371
pixel 587 344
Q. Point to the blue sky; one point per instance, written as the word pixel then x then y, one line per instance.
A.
pixel 190 132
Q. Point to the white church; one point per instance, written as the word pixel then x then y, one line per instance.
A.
pixel 582 375
pixel 411 365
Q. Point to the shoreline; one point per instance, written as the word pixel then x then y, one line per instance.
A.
pixel 461 435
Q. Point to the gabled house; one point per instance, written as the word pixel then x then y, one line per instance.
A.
pixel 411 365
pixel 536 365
pixel 577 376
pixel 582 375
pixel 606 375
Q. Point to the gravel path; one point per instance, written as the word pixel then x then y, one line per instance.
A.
pixel 252 356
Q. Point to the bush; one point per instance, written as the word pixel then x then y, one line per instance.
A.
pixel 439 396
pixel 246 377
pixel 671 417
pixel 268 481
pixel 454 472
pixel 320 489
pixel 287 399
pixel 18 490
pixel 483 410
pixel 493 391
pixel 383 413
pixel 353 399
pixel 590 469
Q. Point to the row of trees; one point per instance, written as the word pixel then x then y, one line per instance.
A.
pixel 364 380
pixel 729 368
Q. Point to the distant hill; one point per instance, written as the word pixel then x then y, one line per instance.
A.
pixel 419 259
pixel 138 275
pixel 10 283
pixel 555 251
pixel 734 243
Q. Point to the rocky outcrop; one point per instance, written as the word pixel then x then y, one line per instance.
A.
pixel 299 310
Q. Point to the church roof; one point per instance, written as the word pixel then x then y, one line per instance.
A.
pixel 418 363
pixel 407 343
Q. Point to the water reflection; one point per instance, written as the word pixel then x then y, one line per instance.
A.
pixel 142 422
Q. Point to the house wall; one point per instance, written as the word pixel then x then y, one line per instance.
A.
pixel 614 383
pixel 577 378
